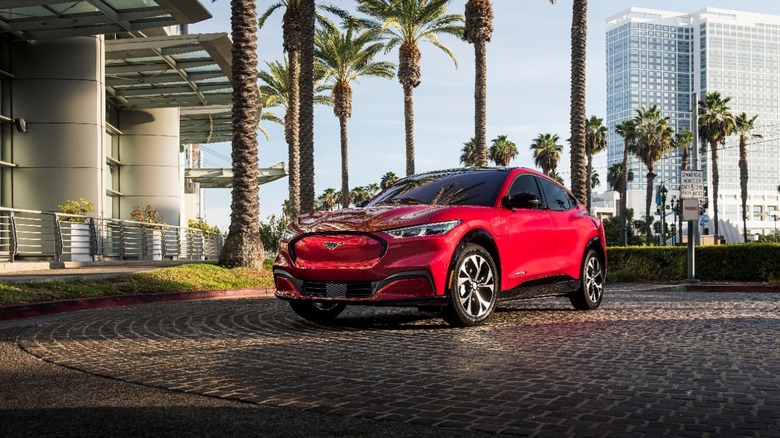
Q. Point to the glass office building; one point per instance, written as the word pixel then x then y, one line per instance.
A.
pixel 669 59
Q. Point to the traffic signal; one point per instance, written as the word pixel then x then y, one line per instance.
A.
pixel 657 227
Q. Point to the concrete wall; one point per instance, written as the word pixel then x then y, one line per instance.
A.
pixel 149 152
pixel 59 90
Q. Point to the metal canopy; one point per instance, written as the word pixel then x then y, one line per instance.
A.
pixel 169 71
pixel 205 124
pixel 223 178
pixel 39 19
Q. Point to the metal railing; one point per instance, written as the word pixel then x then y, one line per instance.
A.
pixel 30 234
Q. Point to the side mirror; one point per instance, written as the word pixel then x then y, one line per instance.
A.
pixel 521 200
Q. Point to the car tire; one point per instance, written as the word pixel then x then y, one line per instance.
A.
pixel 317 311
pixel 475 287
pixel 592 277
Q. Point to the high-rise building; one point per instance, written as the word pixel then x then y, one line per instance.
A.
pixel 670 59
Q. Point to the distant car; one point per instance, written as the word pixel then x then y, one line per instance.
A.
pixel 455 240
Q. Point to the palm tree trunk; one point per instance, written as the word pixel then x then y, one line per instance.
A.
pixel 715 182
pixel 589 186
pixel 623 200
pixel 294 151
pixel 307 107
pixel 648 198
pixel 242 245
pixel 579 29
pixel 743 181
pixel 409 125
pixel 344 163
pixel 480 101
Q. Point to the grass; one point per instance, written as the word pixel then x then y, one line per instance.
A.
pixel 184 278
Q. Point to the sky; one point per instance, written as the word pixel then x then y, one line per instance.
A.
pixel 527 94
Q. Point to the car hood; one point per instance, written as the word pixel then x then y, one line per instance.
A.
pixel 369 219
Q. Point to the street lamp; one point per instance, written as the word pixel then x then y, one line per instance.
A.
pixel 660 202
pixel 675 205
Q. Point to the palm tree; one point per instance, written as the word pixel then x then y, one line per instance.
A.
pixel 716 123
pixel 405 23
pixel 360 194
pixel 625 130
pixel 478 30
pixel 615 177
pixel 292 41
pixel 744 126
pixel 298 28
pixel 594 179
pixel 327 200
pixel 595 142
pixel 554 175
pixel 653 140
pixel 468 155
pixel 683 140
pixel 347 56
pixel 579 30
pixel 276 91
pixel 306 83
pixel 502 151
pixel 372 189
pixel 388 179
pixel 243 246
pixel 547 152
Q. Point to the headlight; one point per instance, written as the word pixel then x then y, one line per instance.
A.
pixel 434 229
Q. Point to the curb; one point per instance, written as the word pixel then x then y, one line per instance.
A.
pixel 25 311
pixel 743 288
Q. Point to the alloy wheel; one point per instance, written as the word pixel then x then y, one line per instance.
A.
pixel 594 279
pixel 476 285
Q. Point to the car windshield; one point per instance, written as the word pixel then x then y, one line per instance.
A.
pixel 457 187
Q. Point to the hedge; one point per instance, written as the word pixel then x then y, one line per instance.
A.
pixel 754 262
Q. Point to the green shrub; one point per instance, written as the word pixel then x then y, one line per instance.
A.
pixel 741 262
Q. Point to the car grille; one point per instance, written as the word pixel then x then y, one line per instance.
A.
pixel 334 289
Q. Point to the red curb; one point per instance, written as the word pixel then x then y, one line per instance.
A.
pixel 23 311
pixel 747 288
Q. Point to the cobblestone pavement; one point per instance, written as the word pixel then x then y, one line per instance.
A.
pixel 660 363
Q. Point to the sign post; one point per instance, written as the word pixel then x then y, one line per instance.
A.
pixel 691 190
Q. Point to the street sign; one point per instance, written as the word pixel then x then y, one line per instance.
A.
pixel 690 209
pixel 691 184
pixel 704 220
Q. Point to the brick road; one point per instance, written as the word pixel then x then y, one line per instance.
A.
pixel 645 364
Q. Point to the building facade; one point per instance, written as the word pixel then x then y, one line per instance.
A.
pixel 671 59
pixel 102 100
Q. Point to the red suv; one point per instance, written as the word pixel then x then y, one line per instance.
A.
pixel 456 240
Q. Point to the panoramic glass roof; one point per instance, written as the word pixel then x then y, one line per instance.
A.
pixel 38 19
pixel 170 71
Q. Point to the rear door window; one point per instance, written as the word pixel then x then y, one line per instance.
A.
pixel 557 199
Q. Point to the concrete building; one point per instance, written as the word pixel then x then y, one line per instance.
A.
pixel 102 100
pixel 670 59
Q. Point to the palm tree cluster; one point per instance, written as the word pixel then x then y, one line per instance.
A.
pixel 716 124
pixel 330 199
pixel 502 151
pixel 648 136
pixel 340 56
